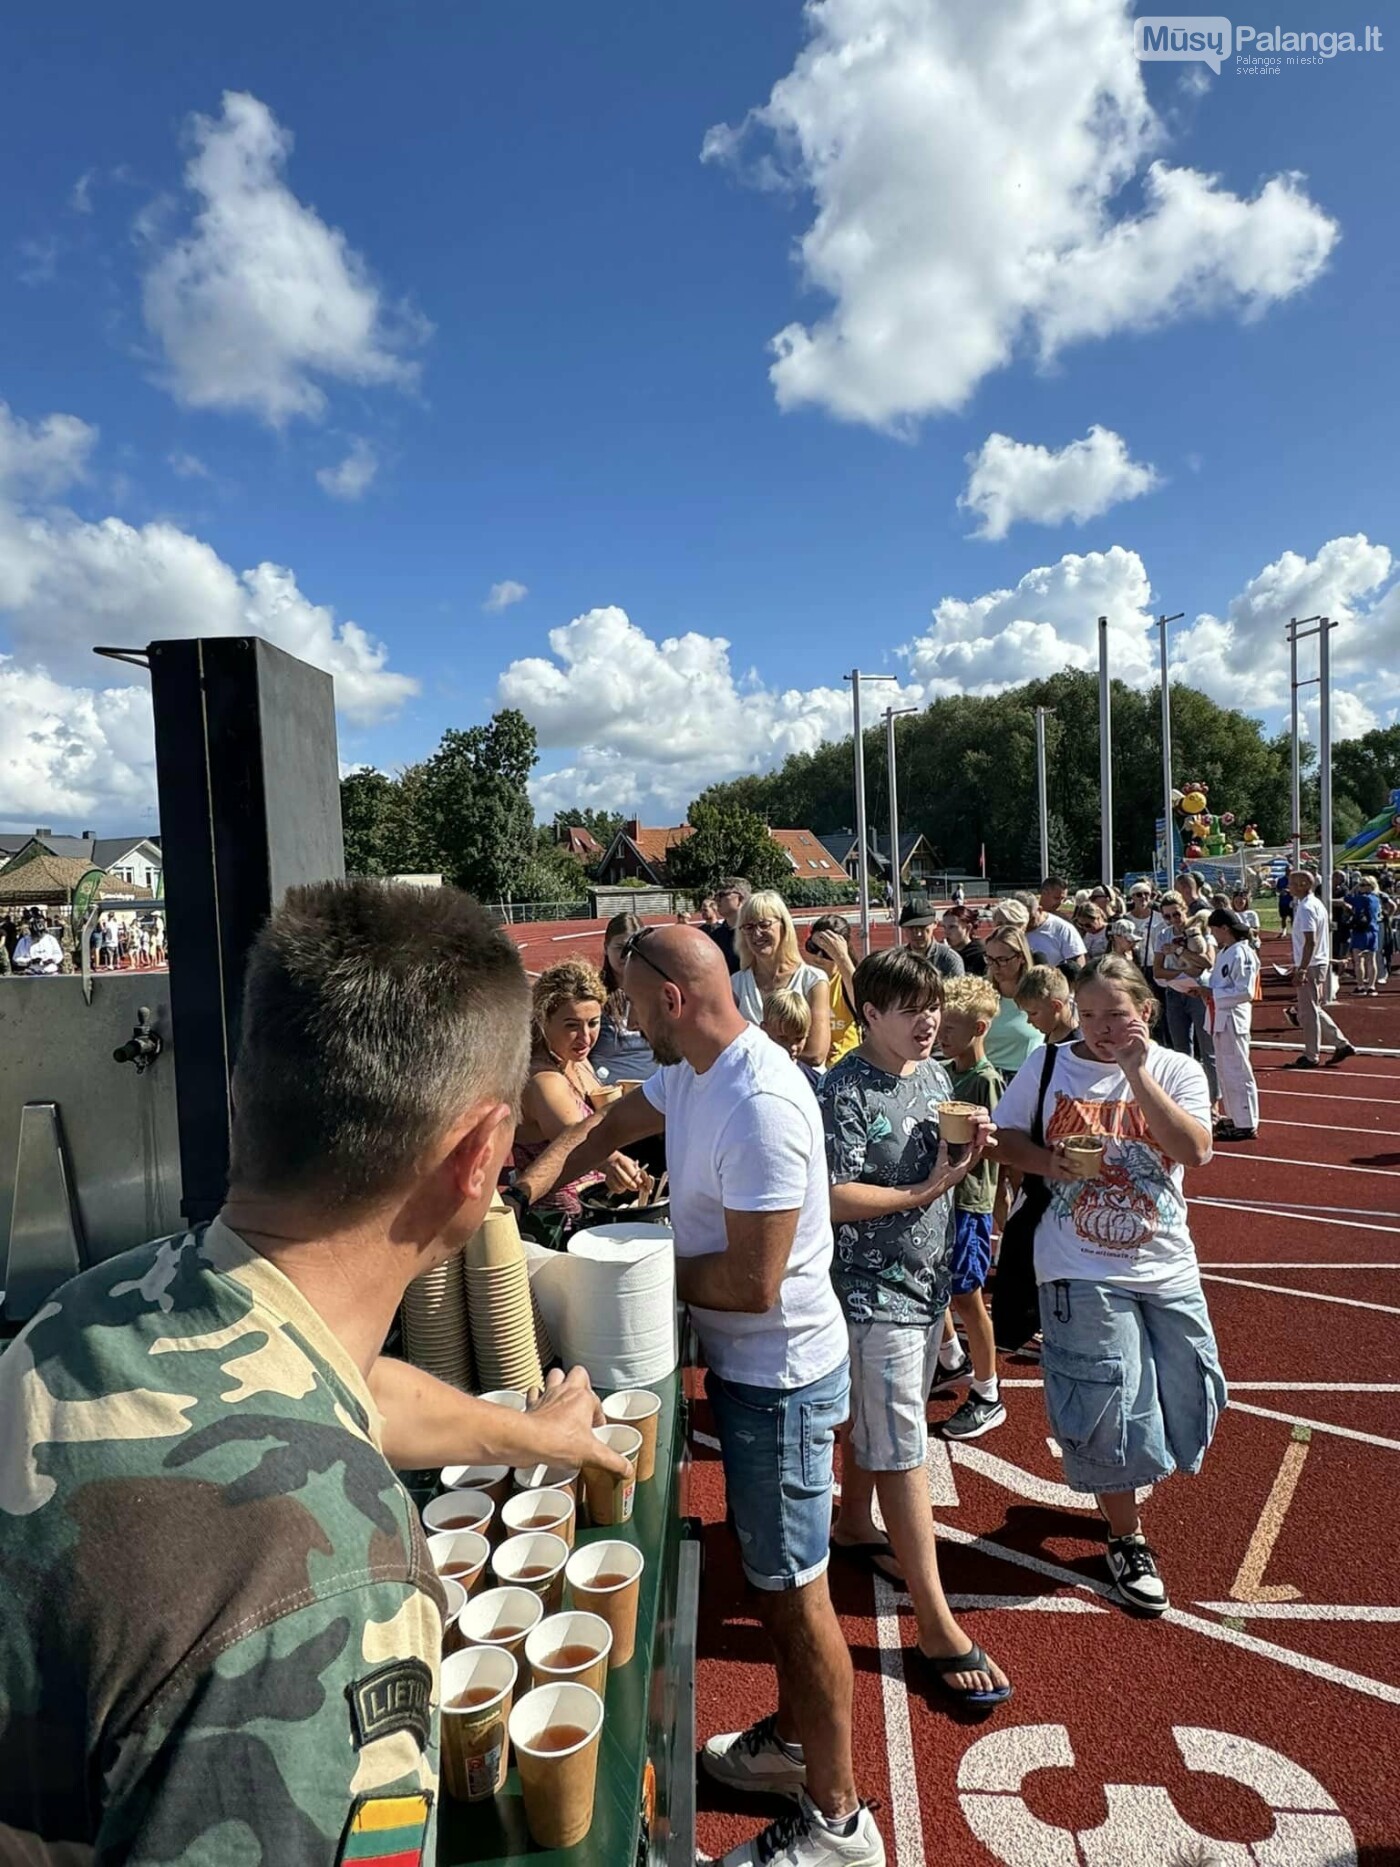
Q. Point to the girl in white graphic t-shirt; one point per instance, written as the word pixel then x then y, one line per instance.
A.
pixel 1132 1379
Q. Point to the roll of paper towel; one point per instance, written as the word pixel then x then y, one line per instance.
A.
pixel 609 1302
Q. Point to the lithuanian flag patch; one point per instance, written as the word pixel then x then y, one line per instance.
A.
pixel 385 1831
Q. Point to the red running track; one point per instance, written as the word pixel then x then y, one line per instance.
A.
pixel 1264 1713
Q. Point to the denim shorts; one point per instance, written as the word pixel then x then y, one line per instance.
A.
pixel 777 1446
pixel 1133 1385
pixel 971 1262
pixel 892 1369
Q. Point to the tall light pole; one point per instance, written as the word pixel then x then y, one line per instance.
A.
pixel 855 677
pixel 1295 821
pixel 1167 787
pixel 1302 629
pixel 1324 754
pixel 1042 789
pixel 897 880
pixel 1105 760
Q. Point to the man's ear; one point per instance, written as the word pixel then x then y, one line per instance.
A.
pixel 477 1153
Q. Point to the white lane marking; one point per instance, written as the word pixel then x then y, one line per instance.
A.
pixel 906 1814
pixel 1281 1387
pixel 1317 1166
pixel 1267 1264
pixel 1299 1611
pixel 942 1486
pixel 1277 1121
pixel 1014 1479
pixel 1266 1088
pixel 1229 1636
pixel 1031 1604
pixel 1304 1218
pixel 1318 1426
pixel 1284 1290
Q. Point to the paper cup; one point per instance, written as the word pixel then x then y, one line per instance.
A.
pixel 477 1687
pixel 555 1731
pixel 539 1510
pixel 640 1408
pixel 605 1579
pixel 502 1617
pixel 459 1556
pixel 535 1562
pixel 610 1498
pixel 571 1646
pixel 507 1397
pixel 552 1478
pixel 956 1121
pixel 601 1097
pixel 494 1480
pixel 456 1601
pixel 1084 1153
pixel 464 1509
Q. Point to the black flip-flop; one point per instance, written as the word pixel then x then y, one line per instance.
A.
pixel 864 1554
pixel 973 1661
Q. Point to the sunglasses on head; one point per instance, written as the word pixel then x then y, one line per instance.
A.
pixel 635 950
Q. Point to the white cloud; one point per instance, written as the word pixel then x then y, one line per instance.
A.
pixel 187 466
pixel 68 583
pixel 42 457
pixel 501 595
pixel 968 165
pixel 1015 480
pixel 80 199
pixel 645 724
pixel 651 722
pixel 259 300
pixel 352 478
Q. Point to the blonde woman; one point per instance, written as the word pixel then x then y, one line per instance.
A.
pixel 769 961
pixel 568 1012
pixel 1011 1037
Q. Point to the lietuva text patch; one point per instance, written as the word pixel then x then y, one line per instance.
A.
pixel 396 1697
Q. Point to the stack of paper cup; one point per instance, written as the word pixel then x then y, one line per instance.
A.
pixel 499 1307
pixel 435 1333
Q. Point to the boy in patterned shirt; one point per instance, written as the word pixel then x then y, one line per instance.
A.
pixel 891 1205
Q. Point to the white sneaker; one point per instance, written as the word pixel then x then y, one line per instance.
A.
pixel 1137 1581
pixel 754 1761
pixel 803 1840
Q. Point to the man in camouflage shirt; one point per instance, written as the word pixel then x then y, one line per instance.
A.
pixel 219 1624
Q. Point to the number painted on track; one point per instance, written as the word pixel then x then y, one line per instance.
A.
pixel 1143 1828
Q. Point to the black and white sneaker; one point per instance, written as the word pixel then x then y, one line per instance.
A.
pixel 948 1378
pixel 974 1417
pixel 803 1840
pixel 755 1761
pixel 1137 1582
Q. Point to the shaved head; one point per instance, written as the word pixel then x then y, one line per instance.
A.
pixel 677 981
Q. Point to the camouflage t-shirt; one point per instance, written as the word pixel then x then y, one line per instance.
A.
pixel 219 1624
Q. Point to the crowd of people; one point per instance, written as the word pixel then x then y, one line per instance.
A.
pixel 36 944
pixel 883 1167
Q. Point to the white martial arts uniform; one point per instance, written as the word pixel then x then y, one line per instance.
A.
pixel 1231 984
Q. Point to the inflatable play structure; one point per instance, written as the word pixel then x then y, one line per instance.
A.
pixel 1378 840
pixel 1203 834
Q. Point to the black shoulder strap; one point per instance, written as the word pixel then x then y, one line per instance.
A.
pixel 1047 1071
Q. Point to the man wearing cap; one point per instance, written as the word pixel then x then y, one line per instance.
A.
pixel 919 922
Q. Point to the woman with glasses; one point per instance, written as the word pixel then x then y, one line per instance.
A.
pixel 769 961
pixel 563 1088
pixel 1011 1037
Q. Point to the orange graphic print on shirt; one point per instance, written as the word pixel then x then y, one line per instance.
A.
pixel 1134 1196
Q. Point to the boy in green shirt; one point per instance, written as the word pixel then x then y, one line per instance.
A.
pixel 969 1005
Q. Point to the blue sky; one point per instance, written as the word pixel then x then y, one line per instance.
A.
pixel 473 259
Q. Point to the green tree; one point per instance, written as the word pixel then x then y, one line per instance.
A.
pixel 601 825
pixel 725 840
pixel 364 800
pixel 476 805
pixel 1367 770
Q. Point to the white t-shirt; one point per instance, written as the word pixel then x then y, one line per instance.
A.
pixel 1250 918
pixel 1129 1226
pixel 1310 917
pixel 746 1136
pixel 749 998
pixel 1055 941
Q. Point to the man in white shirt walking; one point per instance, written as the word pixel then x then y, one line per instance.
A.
pixel 1312 963
pixel 1054 941
pixel 751 1212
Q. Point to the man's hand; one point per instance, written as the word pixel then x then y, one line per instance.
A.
pixel 1057 1168
pixel 622 1174
pixel 833 946
pixel 569 1409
